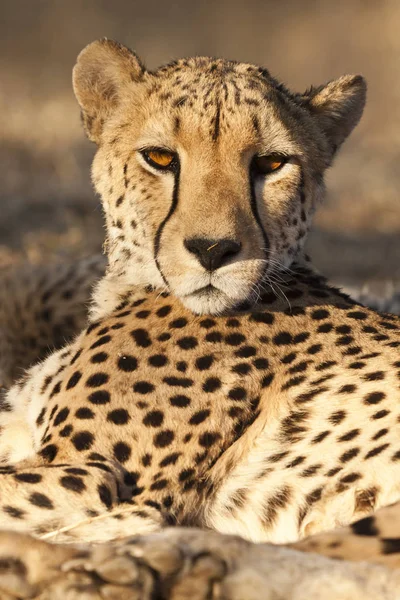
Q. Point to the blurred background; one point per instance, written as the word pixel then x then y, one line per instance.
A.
pixel 47 206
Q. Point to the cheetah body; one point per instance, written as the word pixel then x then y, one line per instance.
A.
pixel 250 398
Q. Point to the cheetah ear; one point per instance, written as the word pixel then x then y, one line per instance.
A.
pixel 102 70
pixel 338 106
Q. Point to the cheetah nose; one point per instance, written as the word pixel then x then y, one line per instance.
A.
pixel 212 254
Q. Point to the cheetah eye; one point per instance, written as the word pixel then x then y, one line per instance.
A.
pixel 160 158
pixel 263 165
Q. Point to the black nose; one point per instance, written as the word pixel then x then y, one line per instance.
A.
pixel 212 254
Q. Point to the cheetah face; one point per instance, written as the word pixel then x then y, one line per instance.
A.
pixel 209 170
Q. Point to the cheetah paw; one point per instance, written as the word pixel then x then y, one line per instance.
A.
pixel 181 564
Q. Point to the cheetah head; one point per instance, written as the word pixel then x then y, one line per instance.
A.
pixel 209 170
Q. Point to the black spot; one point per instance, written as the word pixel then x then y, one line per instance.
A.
pixel 122 452
pixel 28 477
pixel 357 365
pixel 350 435
pixel 49 452
pixel 40 500
pixel 99 357
pixel 84 413
pixel 380 434
pixel 199 417
pixel 170 459
pixel 241 368
pixel 204 362
pixel 314 349
pixel 119 416
pixel 163 311
pixel 141 337
pixel 72 483
pixel 97 379
pixel 263 317
pixel 376 451
pixel 267 380
pixel 246 352
pixel 365 527
pixel 56 389
pixel 178 381
pixel 374 398
pixel 105 495
pixel 350 478
pixel 347 389
pixel 75 357
pixel 390 545
pixel 158 360
pixel 375 376
pixel 301 337
pixel 99 397
pixel 337 417
pixel 61 416
pixel 142 314
pixel 349 455
pixel 237 393
pixel 214 337
pixel 235 339
pixel 187 343
pixel 344 340
pixel 293 382
pixel 161 484
pixel 207 323
pixel 380 414
pixel 320 437
pixel 14 512
pixel 83 440
pixel 357 314
pixel 180 400
pixel 101 341
pixel 208 439
pixel 261 363
pixel 186 474
pixel 164 337
pixel 143 387
pixel 76 471
pixel 289 358
pixel 211 384
pixel 73 380
pixel 40 419
pixel 232 322
pixel 66 431
pixel 154 418
pixel 146 460
pixel 164 438
pixel 319 314
pixel 127 363
pixel 178 323
pixel 103 331
pixel 282 339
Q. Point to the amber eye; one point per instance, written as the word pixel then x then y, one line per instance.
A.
pixel 264 165
pixel 159 158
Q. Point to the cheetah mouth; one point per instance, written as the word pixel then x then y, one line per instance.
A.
pixel 207 290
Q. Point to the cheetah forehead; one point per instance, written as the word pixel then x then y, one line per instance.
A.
pixel 109 79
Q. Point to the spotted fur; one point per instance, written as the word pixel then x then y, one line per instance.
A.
pixel 252 398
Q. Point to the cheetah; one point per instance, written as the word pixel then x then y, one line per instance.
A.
pixel 222 383
pixel 42 308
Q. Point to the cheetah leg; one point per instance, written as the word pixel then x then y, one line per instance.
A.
pixel 374 539
pixel 88 502
pixel 177 564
